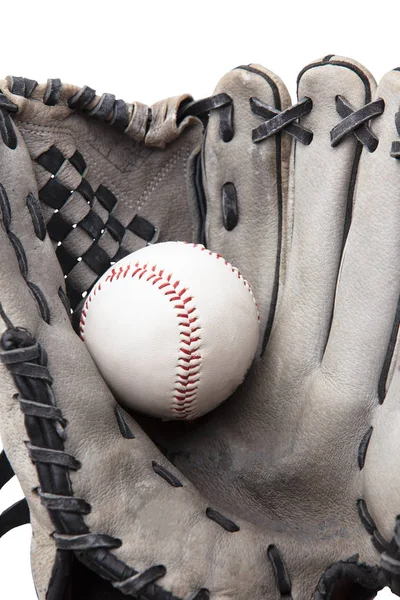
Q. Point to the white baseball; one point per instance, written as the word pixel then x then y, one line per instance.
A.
pixel 173 329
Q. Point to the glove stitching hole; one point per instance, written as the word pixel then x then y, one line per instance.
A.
pixel 221 520
pixel 16 243
pixel 167 475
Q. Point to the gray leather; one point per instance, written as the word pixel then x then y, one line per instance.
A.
pixel 281 458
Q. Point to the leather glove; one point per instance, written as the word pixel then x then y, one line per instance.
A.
pixel 288 489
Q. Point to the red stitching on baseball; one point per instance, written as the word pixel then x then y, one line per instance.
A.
pixel 190 363
pixel 234 270
pixel 185 390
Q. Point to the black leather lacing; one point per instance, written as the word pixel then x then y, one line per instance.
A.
pixel 395 150
pixel 202 108
pixel 5 211
pixel 203 594
pixel 22 86
pixel 99 206
pixel 221 520
pixel 281 573
pixel 230 210
pixel 363 447
pixel 6 470
pixel 355 122
pixel 389 550
pixel 53 92
pixel 14 516
pixel 64 503
pixel 124 428
pixel 166 474
pixel 277 121
pixel 17 514
pixel 365 577
pixel 35 211
pixel 6 125
pixel 107 108
pixel 377 539
pixel 99 222
pixel 48 456
pixel 27 362
pixel 391 563
pixel 135 584
pixel 391 560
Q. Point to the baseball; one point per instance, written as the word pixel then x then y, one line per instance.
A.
pixel 173 329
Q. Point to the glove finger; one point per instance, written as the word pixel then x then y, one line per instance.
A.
pixel 98 489
pixel 111 179
pixel 379 505
pixel 365 320
pixel 322 191
pixel 245 182
pixel 365 330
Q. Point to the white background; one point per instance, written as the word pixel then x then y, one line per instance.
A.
pixel 150 50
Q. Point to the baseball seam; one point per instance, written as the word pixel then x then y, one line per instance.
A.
pixel 234 270
pixel 189 361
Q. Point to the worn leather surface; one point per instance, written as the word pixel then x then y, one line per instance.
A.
pixel 281 457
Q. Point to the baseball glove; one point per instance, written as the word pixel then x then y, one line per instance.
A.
pixel 286 491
